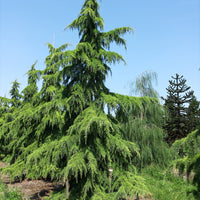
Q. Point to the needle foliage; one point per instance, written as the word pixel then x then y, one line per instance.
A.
pixel 63 132
pixel 187 158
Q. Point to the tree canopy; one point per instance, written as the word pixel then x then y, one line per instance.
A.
pixel 178 96
pixel 143 84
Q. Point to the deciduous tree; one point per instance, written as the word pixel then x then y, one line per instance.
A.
pixel 143 84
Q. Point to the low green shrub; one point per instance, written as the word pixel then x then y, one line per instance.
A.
pixel 9 194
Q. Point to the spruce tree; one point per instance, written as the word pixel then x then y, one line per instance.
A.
pixel 178 96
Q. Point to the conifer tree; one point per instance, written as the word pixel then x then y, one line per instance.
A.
pixel 189 161
pixel 4 105
pixel 30 124
pixel 15 95
pixel 5 116
pixel 31 89
pixel 68 136
pixel 193 115
pixel 178 96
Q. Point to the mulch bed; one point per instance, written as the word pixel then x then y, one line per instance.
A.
pixel 32 189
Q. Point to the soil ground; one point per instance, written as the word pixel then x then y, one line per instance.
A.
pixel 32 189
pixel 36 189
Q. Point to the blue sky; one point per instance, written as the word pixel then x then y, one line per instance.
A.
pixel 166 39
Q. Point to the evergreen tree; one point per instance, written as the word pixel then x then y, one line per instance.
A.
pixel 36 120
pixel 193 115
pixel 178 96
pixel 31 89
pixel 15 95
pixel 7 108
pixel 67 135
pixel 52 79
pixel 5 116
pixel 4 106
pixel 189 161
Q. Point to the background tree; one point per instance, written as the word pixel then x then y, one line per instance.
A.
pixel 189 160
pixel 37 119
pixel 146 133
pixel 31 89
pixel 145 129
pixel 193 115
pixel 178 97
pixel 15 95
pixel 143 84
pixel 144 87
pixel 4 106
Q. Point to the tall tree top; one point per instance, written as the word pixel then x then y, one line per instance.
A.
pixel 143 84
pixel 178 96
pixel 33 74
pixel 15 95
pixel 178 90
pixel 88 22
pixel 91 58
pixel 31 89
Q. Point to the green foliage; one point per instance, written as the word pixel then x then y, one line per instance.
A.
pixel 15 95
pixel 74 130
pixel 165 186
pixel 194 166
pixel 145 132
pixel 187 153
pixel 62 132
pixel 143 84
pixel 188 146
pixel 9 194
pixel 31 89
pixel 162 185
pixel 193 115
pixel 178 95
pixel 124 186
pixel 61 195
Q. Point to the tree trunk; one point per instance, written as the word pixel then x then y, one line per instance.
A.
pixel 141 115
pixel 67 188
